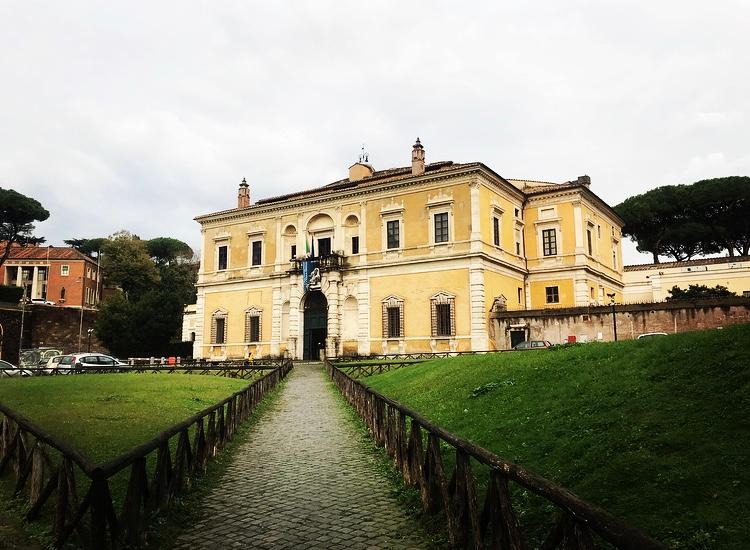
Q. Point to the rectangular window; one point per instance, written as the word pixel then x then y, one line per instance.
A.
pixel 588 237
pixel 324 246
pixel 496 231
pixel 515 212
pixel 355 245
pixel 221 324
pixel 549 242
pixel 553 295
pixel 253 328
pixel 441 227
pixel 392 234
pixel 222 265
pixel 443 313
pixel 294 251
pixel 599 231
pixel 256 255
pixel 64 270
pixel 614 259
pixel 394 322
pixel 520 295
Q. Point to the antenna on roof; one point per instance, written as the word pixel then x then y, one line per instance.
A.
pixel 364 156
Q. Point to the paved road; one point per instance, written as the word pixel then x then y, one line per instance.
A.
pixel 302 480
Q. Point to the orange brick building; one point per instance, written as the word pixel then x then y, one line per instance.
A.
pixel 60 275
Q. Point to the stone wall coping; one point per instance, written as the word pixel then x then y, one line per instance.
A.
pixel 624 308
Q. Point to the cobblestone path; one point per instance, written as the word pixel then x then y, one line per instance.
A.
pixel 302 480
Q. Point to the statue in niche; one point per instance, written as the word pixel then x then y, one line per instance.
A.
pixel 500 303
pixel 315 278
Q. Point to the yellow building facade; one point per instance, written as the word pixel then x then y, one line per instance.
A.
pixel 400 260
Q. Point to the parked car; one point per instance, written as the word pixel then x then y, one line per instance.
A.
pixel 37 357
pixel 9 369
pixel 532 344
pixel 651 335
pixel 91 360
pixel 41 301
pixel 52 366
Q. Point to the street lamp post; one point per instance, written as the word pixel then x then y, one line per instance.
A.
pixel 89 332
pixel 614 315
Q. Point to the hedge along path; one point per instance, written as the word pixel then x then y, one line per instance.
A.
pixel 302 480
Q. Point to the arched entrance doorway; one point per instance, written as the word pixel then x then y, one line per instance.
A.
pixel 315 325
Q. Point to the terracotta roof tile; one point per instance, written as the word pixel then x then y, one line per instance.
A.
pixel 688 263
pixel 44 252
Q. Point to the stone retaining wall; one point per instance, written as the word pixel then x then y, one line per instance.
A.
pixel 596 323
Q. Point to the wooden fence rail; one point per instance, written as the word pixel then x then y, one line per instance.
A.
pixel 415 446
pixel 47 470
pixel 230 369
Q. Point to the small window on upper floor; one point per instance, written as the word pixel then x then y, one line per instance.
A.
pixel 552 294
pixel 64 270
pixel 549 242
pixel 294 251
pixel 223 254
pixel 257 249
pixel 496 230
pixel 441 227
pixel 516 212
pixel 588 239
pixel 355 245
pixel 393 239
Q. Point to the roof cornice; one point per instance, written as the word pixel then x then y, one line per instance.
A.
pixel 335 194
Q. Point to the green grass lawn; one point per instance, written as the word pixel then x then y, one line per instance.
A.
pixel 656 431
pixel 106 415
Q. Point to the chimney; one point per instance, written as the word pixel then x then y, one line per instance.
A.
pixel 584 180
pixel 417 159
pixel 243 195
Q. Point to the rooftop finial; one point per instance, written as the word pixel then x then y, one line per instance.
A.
pixel 244 183
pixel 364 156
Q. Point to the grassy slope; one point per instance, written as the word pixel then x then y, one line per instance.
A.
pixel 657 431
pixel 106 415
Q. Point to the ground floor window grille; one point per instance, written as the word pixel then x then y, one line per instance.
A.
pixel 252 325
pixel 393 317
pixel 219 328
pixel 443 315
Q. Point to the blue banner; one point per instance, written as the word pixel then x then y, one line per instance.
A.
pixel 306 268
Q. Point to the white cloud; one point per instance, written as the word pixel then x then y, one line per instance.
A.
pixel 143 115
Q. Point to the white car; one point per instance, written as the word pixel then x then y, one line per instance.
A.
pixel 89 360
pixel 9 369
pixel 52 366
pixel 42 301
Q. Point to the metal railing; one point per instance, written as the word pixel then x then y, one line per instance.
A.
pixel 46 468
pixel 415 445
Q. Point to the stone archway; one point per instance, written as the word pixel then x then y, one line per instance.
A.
pixel 315 325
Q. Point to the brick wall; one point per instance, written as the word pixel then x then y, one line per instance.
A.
pixel 595 323
pixel 10 319
pixel 49 326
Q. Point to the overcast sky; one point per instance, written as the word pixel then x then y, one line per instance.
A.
pixel 142 115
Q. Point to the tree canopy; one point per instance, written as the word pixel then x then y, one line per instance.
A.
pixel 698 291
pixel 166 250
pixel 156 286
pixel 17 216
pixel 87 246
pixel 683 221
